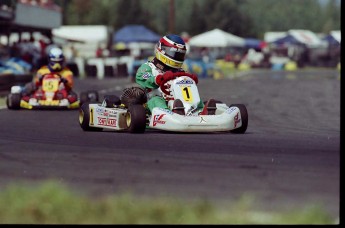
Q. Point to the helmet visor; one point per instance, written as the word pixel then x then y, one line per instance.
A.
pixel 174 53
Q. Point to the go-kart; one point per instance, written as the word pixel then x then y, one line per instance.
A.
pixel 51 95
pixel 129 113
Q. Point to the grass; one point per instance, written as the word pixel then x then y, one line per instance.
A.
pixel 53 203
pixel 2 101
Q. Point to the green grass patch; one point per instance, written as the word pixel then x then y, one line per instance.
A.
pixel 53 203
pixel 2 101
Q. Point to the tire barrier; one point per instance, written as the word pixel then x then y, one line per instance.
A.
pixel 91 70
pixel 109 71
pixel 101 67
pixel 9 80
pixel 122 70
pixel 74 68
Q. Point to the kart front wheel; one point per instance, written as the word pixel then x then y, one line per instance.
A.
pixel 136 118
pixel 244 119
pixel 89 96
pixel 84 118
pixel 13 101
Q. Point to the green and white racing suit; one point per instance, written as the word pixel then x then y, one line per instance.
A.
pixel 145 77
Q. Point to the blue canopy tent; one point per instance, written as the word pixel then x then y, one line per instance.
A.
pixel 253 43
pixel 289 39
pixel 331 40
pixel 135 33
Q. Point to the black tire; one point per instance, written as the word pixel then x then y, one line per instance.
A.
pixel 136 118
pixel 244 118
pixel 93 96
pixel 13 101
pixel 112 101
pixel 89 96
pixel 217 102
pixel 84 118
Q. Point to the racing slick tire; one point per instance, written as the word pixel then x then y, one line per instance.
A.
pixel 136 118
pixel 89 96
pixel 111 101
pixel 244 118
pixel 84 118
pixel 13 101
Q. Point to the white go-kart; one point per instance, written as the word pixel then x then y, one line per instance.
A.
pixel 129 112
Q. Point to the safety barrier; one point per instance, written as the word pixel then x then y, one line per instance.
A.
pixel 102 67
pixel 8 80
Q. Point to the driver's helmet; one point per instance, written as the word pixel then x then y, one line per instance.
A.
pixel 171 51
pixel 56 59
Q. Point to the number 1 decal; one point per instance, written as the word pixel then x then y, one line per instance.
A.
pixel 187 95
pixel 91 116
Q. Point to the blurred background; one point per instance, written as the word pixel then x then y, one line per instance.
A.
pixel 111 38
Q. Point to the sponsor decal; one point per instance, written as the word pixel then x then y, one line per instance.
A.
pixel 178 49
pixel 202 119
pixel 112 112
pixel 184 81
pixel 168 61
pixel 237 120
pixel 107 121
pixel 99 110
pixel 109 113
pixel 230 110
pixel 146 75
pixel 47 102
pixel 179 45
pixel 165 110
pixel 157 119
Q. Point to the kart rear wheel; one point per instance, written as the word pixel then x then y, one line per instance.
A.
pixel 84 118
pixel 244 119
pixel 111 101
pixel 13 101
pixel 136 118
pixel 89 96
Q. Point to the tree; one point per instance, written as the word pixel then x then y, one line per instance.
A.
pixel 199 18
pixel 130 12
pixel 246 18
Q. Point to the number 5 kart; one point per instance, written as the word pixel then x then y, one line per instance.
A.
pixel 51 95
pixel 129 113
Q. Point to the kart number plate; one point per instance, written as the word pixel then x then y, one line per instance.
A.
pixel 50 85
pixel 187 94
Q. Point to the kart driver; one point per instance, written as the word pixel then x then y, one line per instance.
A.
pixel 170 53
pixel 56 65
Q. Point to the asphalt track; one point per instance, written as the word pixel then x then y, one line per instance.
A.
pixel 289 157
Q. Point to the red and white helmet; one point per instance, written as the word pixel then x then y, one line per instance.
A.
pixel 171 51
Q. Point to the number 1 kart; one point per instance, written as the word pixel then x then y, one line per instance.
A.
pixel 129 112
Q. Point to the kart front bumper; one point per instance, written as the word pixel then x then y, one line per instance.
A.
pixel 166 120
pixel 51 106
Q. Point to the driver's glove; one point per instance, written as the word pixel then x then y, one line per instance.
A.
pixel 63 80
pixel 40 78
pixel 164 77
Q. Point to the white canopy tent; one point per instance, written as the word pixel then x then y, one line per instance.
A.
pixel 293 36
pixel 307 37
pixel 216 38
pixel 85 33
pixel 85 38
pixel 336 34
